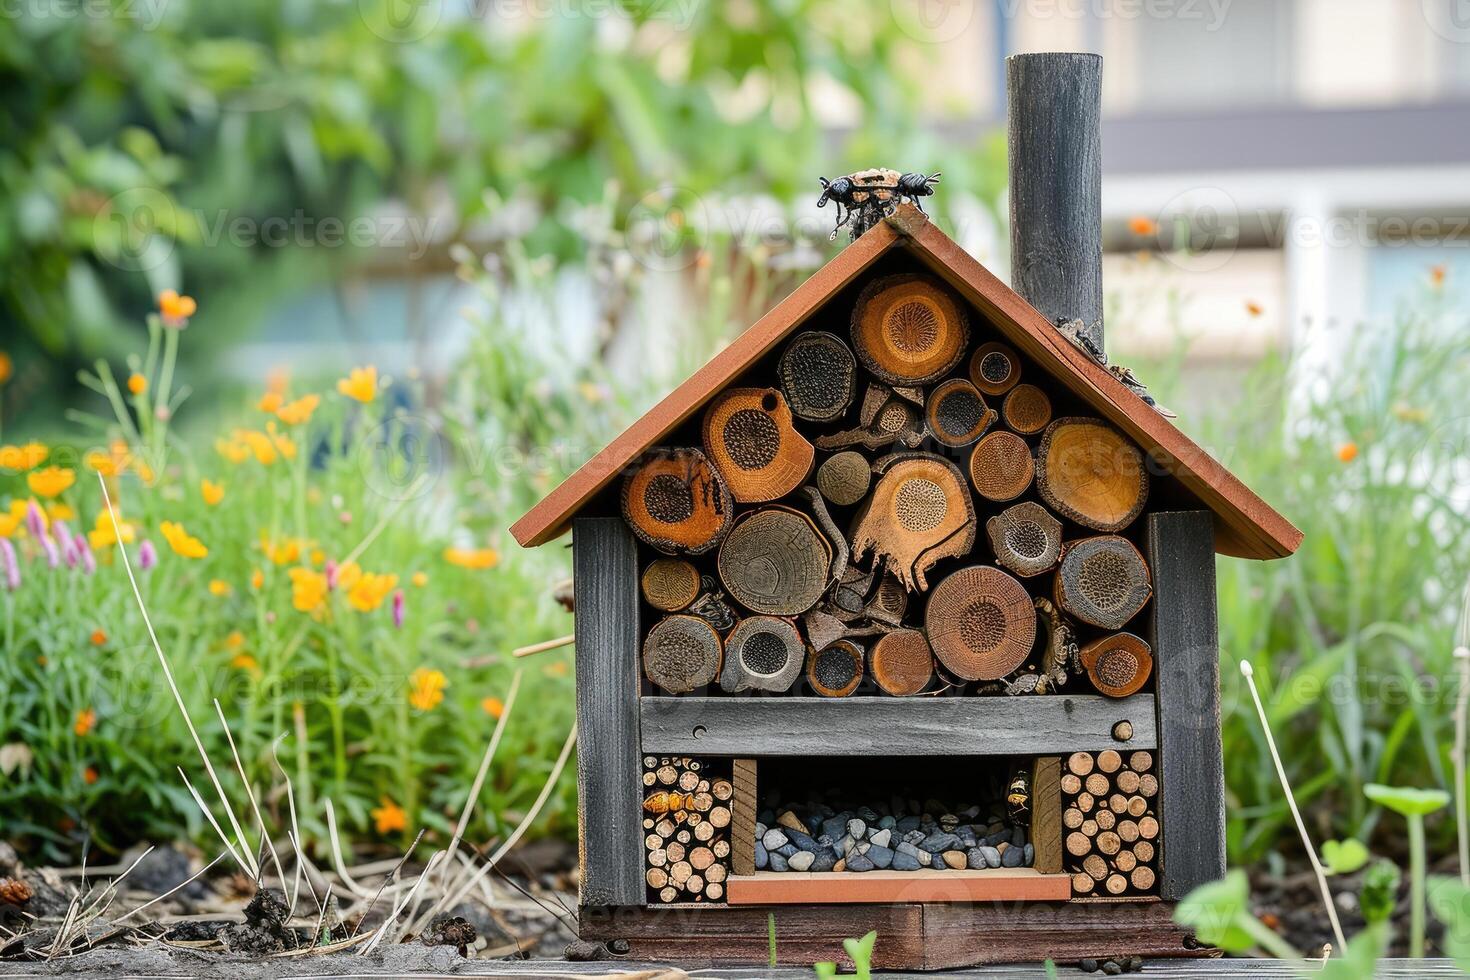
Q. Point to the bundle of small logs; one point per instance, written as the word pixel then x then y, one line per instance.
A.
pixel 896 512
pixel 686 822
pixel 1112 831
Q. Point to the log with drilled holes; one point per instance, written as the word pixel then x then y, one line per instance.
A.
pixel 902 663
pixel 750 438
pixel 981 623
pixel 681 654
pixel 1026 409
pixel 919 512
pixel 1103 580
pixel 956 414
pixel 1026 538
pixel 1109 832
pixel 909 329
pixel 670 584
pixel 818 375
pixel 1001 467
pixel 675 501
pixel 775 561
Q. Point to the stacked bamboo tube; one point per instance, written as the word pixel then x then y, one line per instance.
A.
pixel 686 826
pixel 1110 825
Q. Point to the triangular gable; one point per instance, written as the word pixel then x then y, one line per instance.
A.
pixel 1246 526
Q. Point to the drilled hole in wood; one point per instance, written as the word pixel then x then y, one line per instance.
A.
pixel 920 505
pixel 668 499
pixel 763 653
pixel 751 438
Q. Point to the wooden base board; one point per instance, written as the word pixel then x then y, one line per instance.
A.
pixel 910 936
pixel 869 887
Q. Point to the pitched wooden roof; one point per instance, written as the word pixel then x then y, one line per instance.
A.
pixel 1246 526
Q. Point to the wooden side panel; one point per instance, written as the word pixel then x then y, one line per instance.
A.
pixel 747 726
pixel 1046 814
pixel 605 573
pixel 1186 648
pixel 742 818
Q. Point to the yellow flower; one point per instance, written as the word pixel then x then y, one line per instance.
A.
pixel 389 817
pixel 257 579
pixel 260 444
pixel 370 591
pixel 1142 225
pixel 10 520
pixel 426 688
pixel 137 384
pixel 234 640
pixel 299 411
pixel 348 574
pixel 270 401
pixel 219 587
pixel 478 558
pixel 51 481
pixel 232 450
pixel 419 579
pixel 360 384
pixel 102 534
pixel 283 552
pixel 557 668
pixel 245 662
pixel 308 589
pixel 176 309
pixel 284 444
pixel 7 367
pixel 86 721
pixel 181 541
pixel 24 457
pixel 494 707
pixel 212 492
pixel 103 462
pixel 58 511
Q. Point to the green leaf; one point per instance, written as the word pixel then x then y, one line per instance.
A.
pixel 861 951
pixel 1380 891
pixel 1408 801
pixel 825 970
pixel 1360 960
pixel 1449 900
pixel 1343 857
pixel 1214 911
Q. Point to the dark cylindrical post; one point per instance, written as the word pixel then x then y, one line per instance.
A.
pixel 1055 108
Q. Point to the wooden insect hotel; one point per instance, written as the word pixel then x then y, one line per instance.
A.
pixel 899 614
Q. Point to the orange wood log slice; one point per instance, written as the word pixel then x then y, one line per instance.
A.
pixel 1085 801
pixel 995 368
pixel 1071 784
pixel 775 561
pixel 763 653
pixel 1128 831
pixel 1141 762
pixel 1128 781
pixel 1090 472
pixel 1119 665
pixel 844 478
pixel 1080 763
pixel 1148 828
pixel 1148 785
pixel 818 375
pixel 1103 581
pixel 670 584
pixel 1078 843
pixel 1082 883
pixel 1097 784
pixel 887 417
pixel 1137 806
pixel 957 414
pixel 749 437
pixel 681 654
pixel 1026 409
pixel 1109 843
pixel 1126 861
pixel 909 329
pixel 981 623
pixel 1143 850
pixel 1116 884
pixel 919 512
pixel 676 501
pixel 902 663
pixel 1026 538
pixel 1143 878
pixel 1001 467
pixel 1072 818
pixel 836 670
pixel 1095 866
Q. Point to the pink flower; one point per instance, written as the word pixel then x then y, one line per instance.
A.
pixel 65 542
pixel 147 555
pixel 84 550
pixel 9 565
pixel 398 609
pixel 35 521
pixel 53 555
pixel 330 571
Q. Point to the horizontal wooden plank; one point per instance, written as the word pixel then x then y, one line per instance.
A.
pixel 757 726
pixel 852 888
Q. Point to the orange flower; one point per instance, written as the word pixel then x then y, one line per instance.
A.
pixel 419 579
pixel 176 309
pixel 1143 226
pixel 51 481
pixel 24 457
pixel 299 411
pixel 232 450
pixel 360 384
pixel 86 721
pixel 557 668
pixel 7 367
pixel 477 558
pixel 98 637
pixel 212 492
pixel 389 817
pixel 1436 276
pixel 257 579
pixel 137 384
pixel 370 591
pixel 1254 308
pixel 181 541
pixel 308 589
pixel 245 662
pixel 234 640
pixel 89 775
pixel 219 587
pixel 1347 452
pixel 494 707
pixel 426 688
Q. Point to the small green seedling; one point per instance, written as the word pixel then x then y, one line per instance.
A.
pixel 771 937
pixel 860 951
pixel 1380 891
pixel 1449 899
pixel 1413 805
pixel 1343 857
pixel 1219 914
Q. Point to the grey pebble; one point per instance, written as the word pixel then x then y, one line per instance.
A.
pixel 1028 855
pixel 785 850
pixel 887 822
pixel 940 842
pixel 773 838
pixel 881 857
pixel 991 856
pixel 801 861
pixel 860 862
pixel 762 859
pixel 823 861
pixel 1011 858
pixel 905 862
pixel 856 828
pixel 778 863
pixel 881 837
